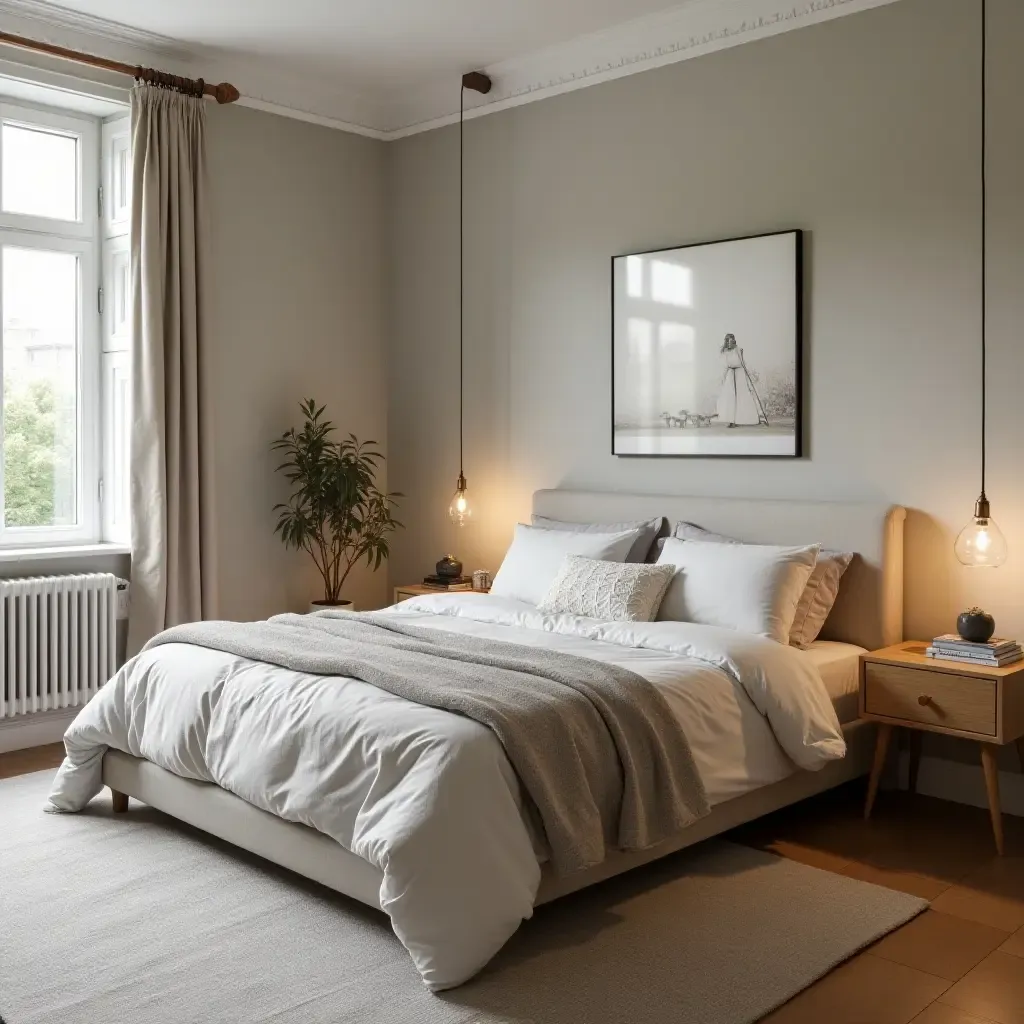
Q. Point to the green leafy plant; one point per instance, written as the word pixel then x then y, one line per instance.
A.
pixel 336 512
pixel 39 455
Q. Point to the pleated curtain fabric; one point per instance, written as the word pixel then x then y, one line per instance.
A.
pixel 172 573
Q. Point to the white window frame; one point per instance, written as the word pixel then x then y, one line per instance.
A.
pixel 116 329
pixel 81 237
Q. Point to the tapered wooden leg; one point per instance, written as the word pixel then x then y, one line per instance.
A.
pixel 991 768
pixel 915 759
pixel 119 800
pixel 881 750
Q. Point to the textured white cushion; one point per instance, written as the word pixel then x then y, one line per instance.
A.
pixel 753 588
pixel 616 591
pixel 642 548
pixel 819 595
pixel 536 555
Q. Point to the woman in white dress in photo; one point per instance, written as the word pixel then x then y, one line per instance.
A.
pixel 738 403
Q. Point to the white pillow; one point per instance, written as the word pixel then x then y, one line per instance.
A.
pixel 613 591
pixel 536 555
pixel 819 595
pixel 753 588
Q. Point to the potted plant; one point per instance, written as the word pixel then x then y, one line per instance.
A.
pixel 336 512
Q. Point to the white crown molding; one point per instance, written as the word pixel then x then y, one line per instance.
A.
pixel 311 117
pixel 695 28
pixel 77 21
pixel 692 30
pixel 263 87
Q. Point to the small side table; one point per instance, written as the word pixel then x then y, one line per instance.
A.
pixel 901 686
pixel 403 593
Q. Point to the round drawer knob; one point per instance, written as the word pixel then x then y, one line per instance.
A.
pixel 924 700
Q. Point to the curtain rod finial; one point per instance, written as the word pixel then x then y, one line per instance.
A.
pixel 225 93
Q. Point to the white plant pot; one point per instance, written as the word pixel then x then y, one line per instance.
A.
pixel 340 606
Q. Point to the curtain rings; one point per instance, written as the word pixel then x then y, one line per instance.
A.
pixel 174 83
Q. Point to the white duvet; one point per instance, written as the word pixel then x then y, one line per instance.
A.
pixel 426 796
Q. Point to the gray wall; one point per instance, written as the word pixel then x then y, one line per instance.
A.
pixel 864 132
pixel 297 312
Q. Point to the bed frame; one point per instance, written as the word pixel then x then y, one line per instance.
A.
pixel 869 613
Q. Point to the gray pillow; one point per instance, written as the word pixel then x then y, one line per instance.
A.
pixel 819 594
pixel 641 549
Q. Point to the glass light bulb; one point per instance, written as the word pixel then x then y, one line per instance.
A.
pixel 460 511
pixel 981 543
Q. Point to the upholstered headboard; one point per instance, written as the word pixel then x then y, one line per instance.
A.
pixel 869 610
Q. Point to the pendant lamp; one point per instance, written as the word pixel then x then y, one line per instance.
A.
pixel 981 543
pixel 460 511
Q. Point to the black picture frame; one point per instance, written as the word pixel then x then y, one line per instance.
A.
pixel 695 435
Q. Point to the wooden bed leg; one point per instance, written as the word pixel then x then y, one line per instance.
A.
pixel 119 801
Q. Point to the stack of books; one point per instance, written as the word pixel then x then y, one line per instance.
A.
pixel 997 651
pixel 448 582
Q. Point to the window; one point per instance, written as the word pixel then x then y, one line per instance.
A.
pixel 62 429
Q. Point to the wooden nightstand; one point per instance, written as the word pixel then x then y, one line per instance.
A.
pixel 901 686
pixel 418 590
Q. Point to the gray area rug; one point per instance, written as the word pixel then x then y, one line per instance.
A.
pixel 139 919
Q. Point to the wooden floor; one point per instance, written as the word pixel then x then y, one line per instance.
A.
pixel 961 962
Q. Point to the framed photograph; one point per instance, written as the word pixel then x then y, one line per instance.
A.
pixel 707 349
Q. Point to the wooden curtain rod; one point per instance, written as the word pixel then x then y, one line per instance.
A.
pixel 223 93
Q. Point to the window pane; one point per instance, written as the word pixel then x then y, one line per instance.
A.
pixel 40 173
pixel 40 415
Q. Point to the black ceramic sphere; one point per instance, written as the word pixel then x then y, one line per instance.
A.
pixel 449 568
pixel 975 625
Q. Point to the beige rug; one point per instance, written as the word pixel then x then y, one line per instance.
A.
pixel 138 920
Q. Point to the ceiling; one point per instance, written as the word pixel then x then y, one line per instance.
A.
pixel 388 68
pixel 372 45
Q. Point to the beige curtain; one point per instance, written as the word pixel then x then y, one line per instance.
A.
pixel 172 518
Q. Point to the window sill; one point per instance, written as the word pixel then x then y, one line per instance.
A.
pixel 10 556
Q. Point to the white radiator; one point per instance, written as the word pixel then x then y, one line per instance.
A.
pixel 58 640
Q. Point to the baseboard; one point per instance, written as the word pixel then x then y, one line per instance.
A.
pixel 964 783
pixel 35 730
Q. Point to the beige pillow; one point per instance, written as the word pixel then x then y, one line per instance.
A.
pixel 819 595
pixel 614 591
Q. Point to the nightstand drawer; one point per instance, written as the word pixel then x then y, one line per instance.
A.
pixel 940 699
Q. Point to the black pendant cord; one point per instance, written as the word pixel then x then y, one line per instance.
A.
pixel 462 276
pixel 984 233
pixel 478 82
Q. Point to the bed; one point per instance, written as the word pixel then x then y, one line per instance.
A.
pixel 867 615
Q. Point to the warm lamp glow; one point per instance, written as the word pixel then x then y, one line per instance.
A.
pixel 460 511
pixel 981 543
